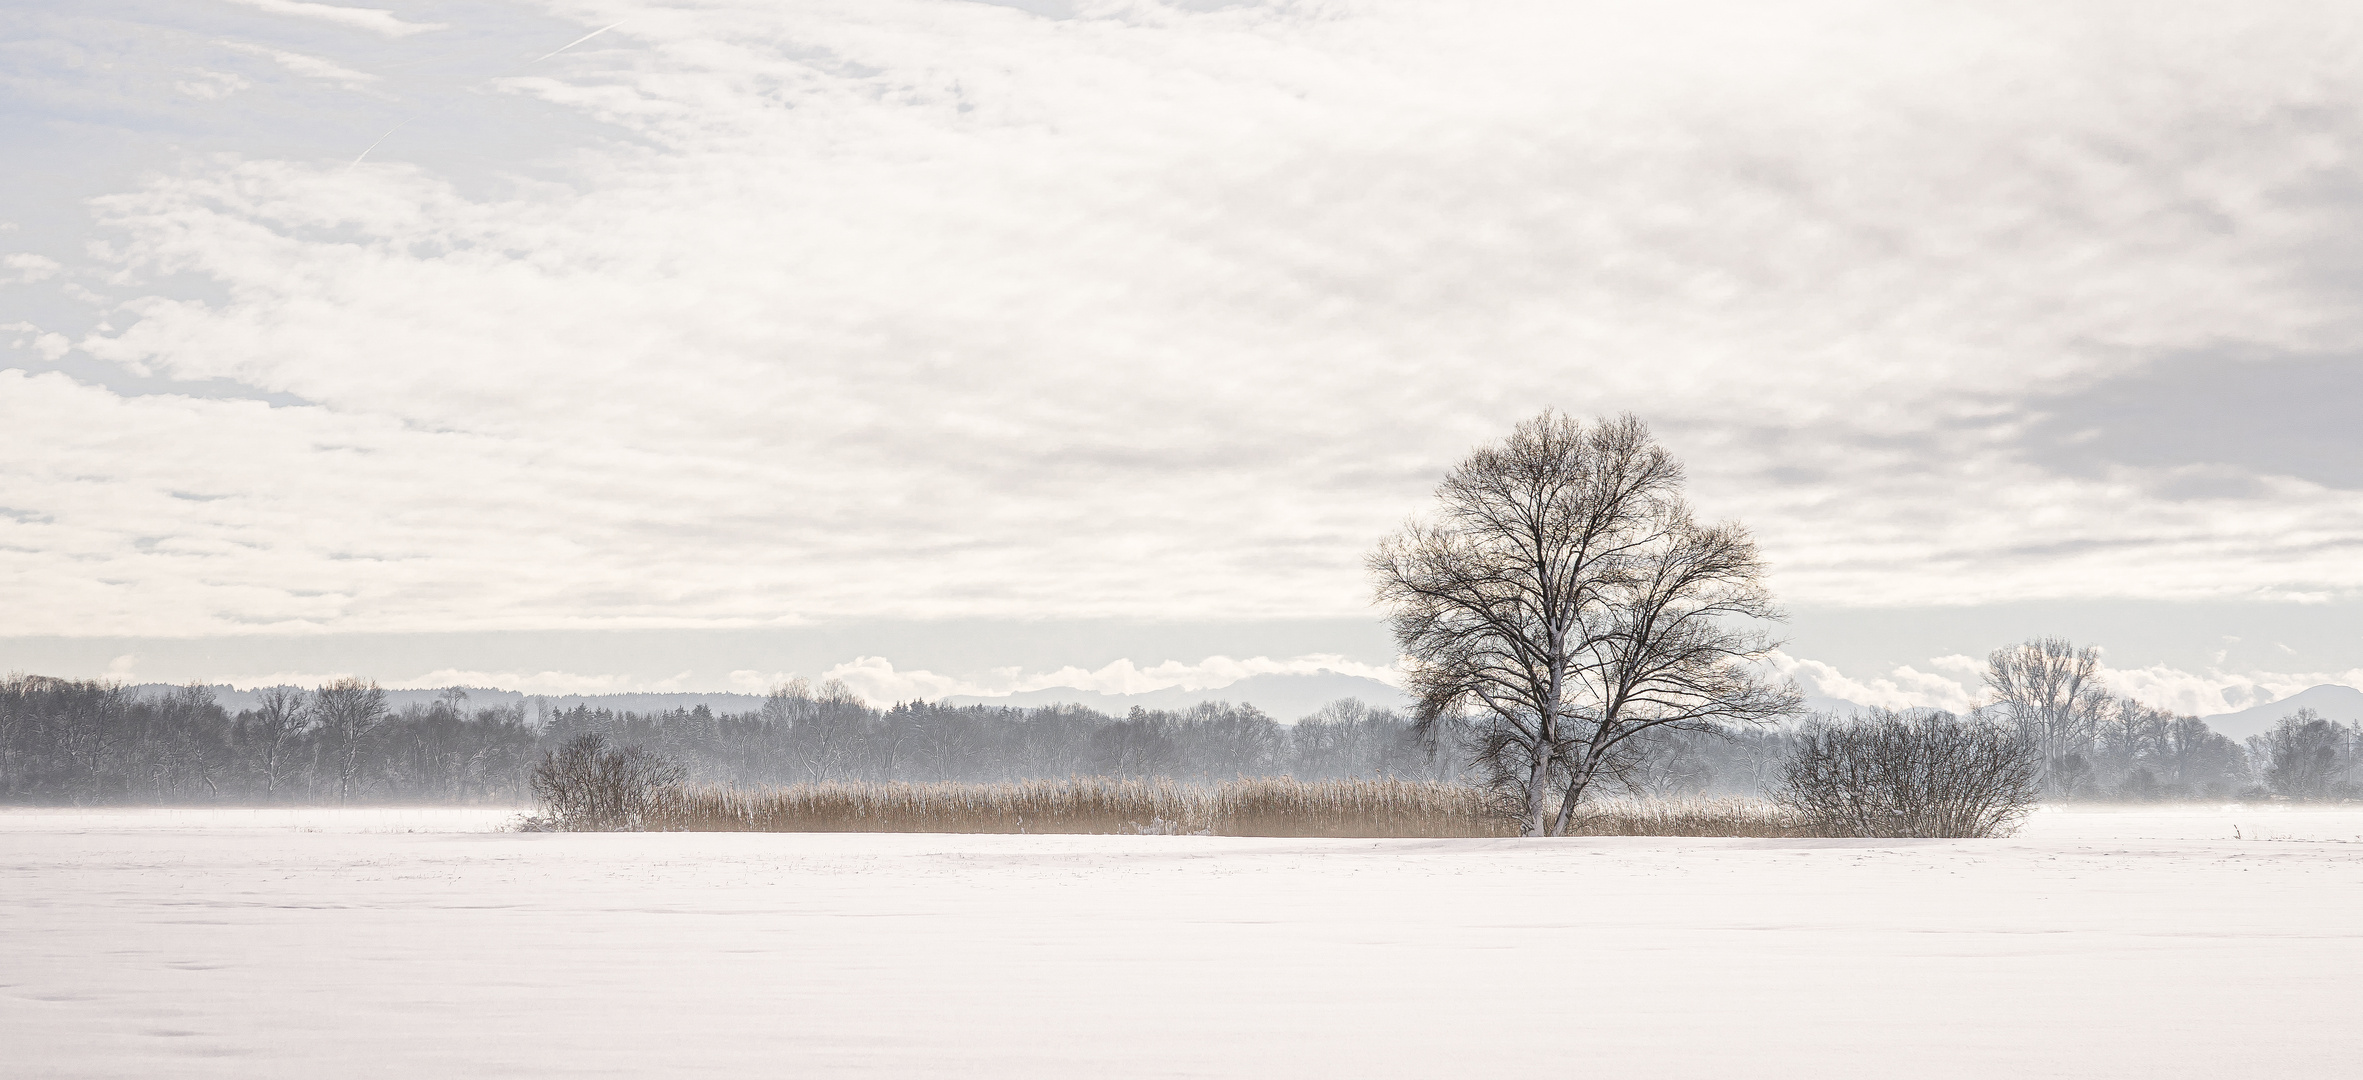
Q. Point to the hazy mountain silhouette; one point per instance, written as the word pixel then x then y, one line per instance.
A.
pixel 1282 697
pixel 234 699
pixel 2341 703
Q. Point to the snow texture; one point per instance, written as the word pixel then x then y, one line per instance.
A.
pixel 372 943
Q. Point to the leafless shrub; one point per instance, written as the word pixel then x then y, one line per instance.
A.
pixel 1927 775
pixel 588 786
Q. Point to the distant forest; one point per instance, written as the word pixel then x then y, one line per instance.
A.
pixel 81 742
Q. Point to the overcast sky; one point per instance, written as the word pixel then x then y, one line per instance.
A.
pixel 765 335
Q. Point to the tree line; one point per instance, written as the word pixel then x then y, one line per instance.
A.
pixel 2092 744
pixel 69 741
pixel 2085 742
pixel 72 741
pixel 2136 754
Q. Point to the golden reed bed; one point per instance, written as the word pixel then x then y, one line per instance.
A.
pixel 1246 807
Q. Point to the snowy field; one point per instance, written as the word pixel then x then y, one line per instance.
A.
pixel 423 943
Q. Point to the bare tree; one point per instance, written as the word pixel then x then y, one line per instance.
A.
pixel 1660 764
pixel 348 710
pixel 2130 749
pixel 1563 601
pixel 202 754
pixel 2051 690
pixel 15 715
pixel 282 715
pixel 827 729
pixel 2198 761
pixel 2304 756
pixel 1347 738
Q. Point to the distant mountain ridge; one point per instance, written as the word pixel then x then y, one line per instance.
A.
pixel 2335 702
pixel 234 699
pixel 1282 697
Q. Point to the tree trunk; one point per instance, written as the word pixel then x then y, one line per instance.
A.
pixel 1575 793
pixel 1538 789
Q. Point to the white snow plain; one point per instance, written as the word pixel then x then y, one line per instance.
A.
pixel 415 943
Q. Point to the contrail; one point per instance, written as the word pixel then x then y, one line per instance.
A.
pixel 580 40
pixel 372 146
pixel 562 48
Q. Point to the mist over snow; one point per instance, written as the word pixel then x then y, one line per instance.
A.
pixel 422 318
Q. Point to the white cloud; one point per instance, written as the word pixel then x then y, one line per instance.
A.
pixel 1902 688
pixel 876 679
pixel 877 682
pixel 25 266
pixel 548 682
pixel 1969 670
pixel 554 683
pixel 894 309
pixel 2211 692
pixel 51 346
pixel 2203 693
pixel 211 85
pixel 374 20
pixel 310 67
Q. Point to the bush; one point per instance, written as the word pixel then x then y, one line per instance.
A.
pixel 1928 775
pixel 587 786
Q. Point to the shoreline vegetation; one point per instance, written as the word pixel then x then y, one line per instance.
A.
pixel 1261 806
pixel 89 743
pixel 819 759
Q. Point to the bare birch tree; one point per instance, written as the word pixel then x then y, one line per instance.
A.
pixel 282 715
pixel 349 710
pixel 1563 600
pixel 15 715
pixel 2052 692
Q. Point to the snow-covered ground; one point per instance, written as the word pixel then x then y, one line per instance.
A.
pixel 412 942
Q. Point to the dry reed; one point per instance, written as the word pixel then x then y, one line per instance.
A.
pixel 1280 806
pixel 1687 817
pixel 1083 805
pixel 1273 806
